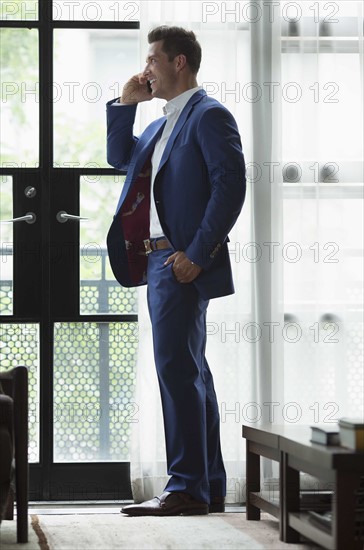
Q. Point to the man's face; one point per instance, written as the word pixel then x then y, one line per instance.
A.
pixel 160 72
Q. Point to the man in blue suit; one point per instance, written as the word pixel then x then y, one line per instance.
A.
pixel 184 190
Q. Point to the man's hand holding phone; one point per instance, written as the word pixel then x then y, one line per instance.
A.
pixel 136 90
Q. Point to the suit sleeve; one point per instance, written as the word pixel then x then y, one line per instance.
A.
pixel 219 140
pixel 120 139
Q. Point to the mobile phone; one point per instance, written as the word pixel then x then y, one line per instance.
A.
pixel 149 87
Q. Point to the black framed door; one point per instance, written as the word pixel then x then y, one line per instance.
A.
pixel 62 314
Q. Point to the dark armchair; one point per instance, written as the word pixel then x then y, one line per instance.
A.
pixel 14 444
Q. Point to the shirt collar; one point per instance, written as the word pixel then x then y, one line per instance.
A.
pixel 179 102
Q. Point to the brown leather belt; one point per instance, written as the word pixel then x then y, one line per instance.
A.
pixel 151 245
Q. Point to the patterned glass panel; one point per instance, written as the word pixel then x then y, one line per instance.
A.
pixel 94 377
pixel 354 374
pixel 19 345
pixel 6 246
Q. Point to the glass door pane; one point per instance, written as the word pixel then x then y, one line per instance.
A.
pixel 100 293
pixel 84 80
pixel 23 10
pixel 6 246
pixel 19 105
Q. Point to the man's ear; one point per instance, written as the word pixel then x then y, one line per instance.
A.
pixel 181 62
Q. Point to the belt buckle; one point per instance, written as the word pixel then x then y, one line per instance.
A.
pixel 148 249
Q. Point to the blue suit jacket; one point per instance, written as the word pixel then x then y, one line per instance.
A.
pixel 199 190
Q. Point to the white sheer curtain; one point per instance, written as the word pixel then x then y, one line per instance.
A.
pixel 271 346
pixel 323 374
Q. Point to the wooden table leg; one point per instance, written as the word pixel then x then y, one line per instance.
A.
pixel 252 482
pixel 290 499
pixel 343 508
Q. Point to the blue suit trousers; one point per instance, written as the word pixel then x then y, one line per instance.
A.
pixel 190 409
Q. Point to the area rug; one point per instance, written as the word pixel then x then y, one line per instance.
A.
pixel 8 535
pixel 117 532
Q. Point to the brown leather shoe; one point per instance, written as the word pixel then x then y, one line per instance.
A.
pixel 217 505
pixel 168 504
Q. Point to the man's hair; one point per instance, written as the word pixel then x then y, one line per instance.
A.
pixel 176 41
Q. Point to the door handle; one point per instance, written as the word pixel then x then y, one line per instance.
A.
pixel 29 217
pixel 63 217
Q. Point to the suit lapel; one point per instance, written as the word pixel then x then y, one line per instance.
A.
pixel 179 125
pixel 147 149
pixel 141 157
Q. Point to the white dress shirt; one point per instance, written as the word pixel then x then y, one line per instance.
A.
pixel 172 110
